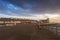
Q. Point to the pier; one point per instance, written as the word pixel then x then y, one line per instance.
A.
pixel 20 29
pixel 27 32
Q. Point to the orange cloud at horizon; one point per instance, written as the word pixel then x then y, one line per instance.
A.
pixel 55 20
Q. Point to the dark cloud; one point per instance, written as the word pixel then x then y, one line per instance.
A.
pixel 37 5
pixel 28 7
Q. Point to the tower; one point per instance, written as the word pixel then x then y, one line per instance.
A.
pixel 47 20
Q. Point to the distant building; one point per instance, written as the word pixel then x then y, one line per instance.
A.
pixel 44 21
pixel 13 21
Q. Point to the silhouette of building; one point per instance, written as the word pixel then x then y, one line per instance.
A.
pixel 44 21
pixel 14 21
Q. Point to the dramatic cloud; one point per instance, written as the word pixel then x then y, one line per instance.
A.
pixel 30 8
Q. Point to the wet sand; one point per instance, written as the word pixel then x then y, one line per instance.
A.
pixel 25 32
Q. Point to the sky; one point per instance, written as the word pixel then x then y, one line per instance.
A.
pixel 32 9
